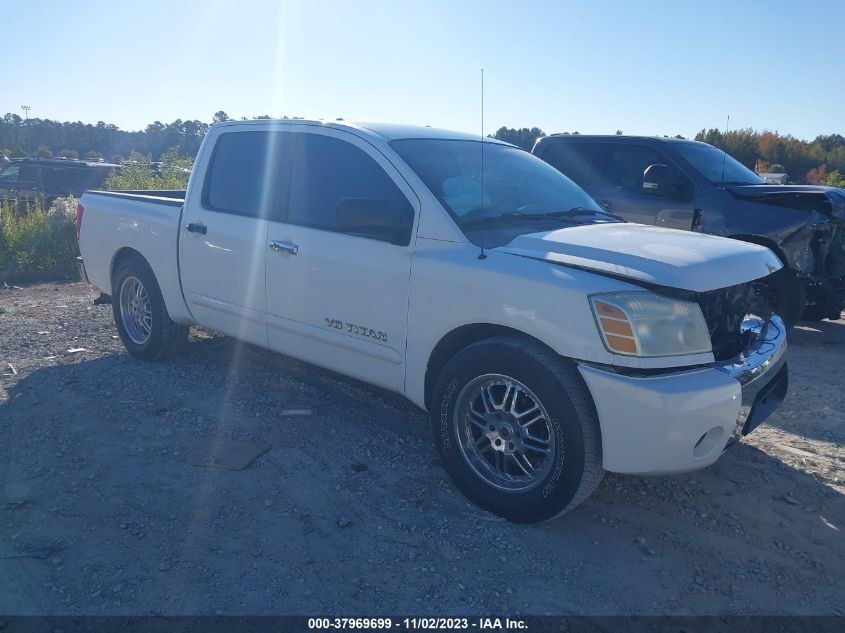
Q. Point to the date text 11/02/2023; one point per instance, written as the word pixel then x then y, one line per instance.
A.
pixel 432 623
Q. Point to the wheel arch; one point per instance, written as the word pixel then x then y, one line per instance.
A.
pixel 121 255
pixel 458 339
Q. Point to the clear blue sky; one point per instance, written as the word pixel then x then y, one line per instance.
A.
pixel 592 66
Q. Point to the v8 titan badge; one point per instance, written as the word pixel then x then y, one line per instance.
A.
pixel 360 330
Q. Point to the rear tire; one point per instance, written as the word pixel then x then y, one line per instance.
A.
pixel 496 407
pixel 140 315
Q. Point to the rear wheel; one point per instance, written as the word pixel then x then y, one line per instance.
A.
pixel 140 315
pixel 517 429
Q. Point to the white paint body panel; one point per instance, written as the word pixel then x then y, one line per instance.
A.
pixel 650 425
pixel 667 257
pixel 229 280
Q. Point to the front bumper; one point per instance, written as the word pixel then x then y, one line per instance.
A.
pixel 683 421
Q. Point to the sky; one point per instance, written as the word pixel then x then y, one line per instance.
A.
pixel 648 67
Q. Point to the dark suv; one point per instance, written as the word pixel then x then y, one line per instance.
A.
pixel 43 180
pixel 689 185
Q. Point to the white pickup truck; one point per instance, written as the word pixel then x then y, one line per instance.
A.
pixel 549 340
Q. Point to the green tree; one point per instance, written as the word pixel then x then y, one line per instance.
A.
pixel 524 137
pixel 93 155
pixel 43 152
pixel 834 179
pixel 138 172
pixel 220 117
pixel 69 153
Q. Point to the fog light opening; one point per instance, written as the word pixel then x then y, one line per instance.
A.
pixel 709 442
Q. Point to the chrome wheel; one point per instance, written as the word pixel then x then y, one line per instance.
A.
pixel 505 433
pixel 136 311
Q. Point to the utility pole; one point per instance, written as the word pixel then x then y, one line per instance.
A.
pixel 26 110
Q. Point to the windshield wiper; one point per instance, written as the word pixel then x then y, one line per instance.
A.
pixel 575 212
pixel 569 216
pixel 735 183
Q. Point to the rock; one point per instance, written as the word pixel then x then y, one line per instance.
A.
pixel 344 523
pixel 640 540
pixel 791 500
pixel 164 566
pixel 359 467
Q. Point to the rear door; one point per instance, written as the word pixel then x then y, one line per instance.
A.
pixel 337 292
pixel 222 245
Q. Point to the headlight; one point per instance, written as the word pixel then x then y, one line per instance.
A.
pixel 647 324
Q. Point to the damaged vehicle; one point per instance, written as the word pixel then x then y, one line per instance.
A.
pixel 549 340
pixel 694 186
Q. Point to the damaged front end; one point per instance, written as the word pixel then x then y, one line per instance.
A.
pixel 812 244
pixel 726 310
pixel 749 344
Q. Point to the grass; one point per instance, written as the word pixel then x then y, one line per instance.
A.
pixel 36 242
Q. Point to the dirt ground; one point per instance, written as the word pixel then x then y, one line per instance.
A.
pixel 348 510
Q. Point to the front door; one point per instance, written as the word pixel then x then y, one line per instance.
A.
pixel 619 179
pixel 337 282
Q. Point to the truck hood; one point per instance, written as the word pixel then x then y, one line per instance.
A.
pixel 827 200
pixel 664 257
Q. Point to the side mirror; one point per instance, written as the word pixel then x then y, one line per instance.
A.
pixel 662 180
pixel 376 218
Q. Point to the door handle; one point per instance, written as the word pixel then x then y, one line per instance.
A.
pixel 202 229
pixel 284 247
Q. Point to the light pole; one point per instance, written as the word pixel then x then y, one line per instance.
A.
pixel 26 110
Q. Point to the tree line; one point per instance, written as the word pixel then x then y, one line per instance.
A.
pixel 22 138
pixel 820 161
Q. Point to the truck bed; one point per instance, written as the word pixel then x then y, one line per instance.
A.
pixel 116 223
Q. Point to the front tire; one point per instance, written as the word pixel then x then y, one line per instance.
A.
pixel 789 296
pixel 140 315
pixel 517 429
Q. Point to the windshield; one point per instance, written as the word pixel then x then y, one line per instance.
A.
pixel 519 190
pixel 712 163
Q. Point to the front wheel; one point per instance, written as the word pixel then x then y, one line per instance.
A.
pixel 517 429
pixel 788 296
pixel 140 315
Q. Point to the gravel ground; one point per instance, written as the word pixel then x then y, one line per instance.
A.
pixel 348 510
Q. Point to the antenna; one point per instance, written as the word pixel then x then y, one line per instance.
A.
pixel 481 255
pixel 725 151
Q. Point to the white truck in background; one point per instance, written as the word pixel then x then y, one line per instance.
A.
pixel 549 340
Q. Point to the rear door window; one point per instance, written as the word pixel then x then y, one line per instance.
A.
pixel 245 175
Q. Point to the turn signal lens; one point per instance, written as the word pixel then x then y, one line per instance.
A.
pixel 615 327
pixel 648 324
